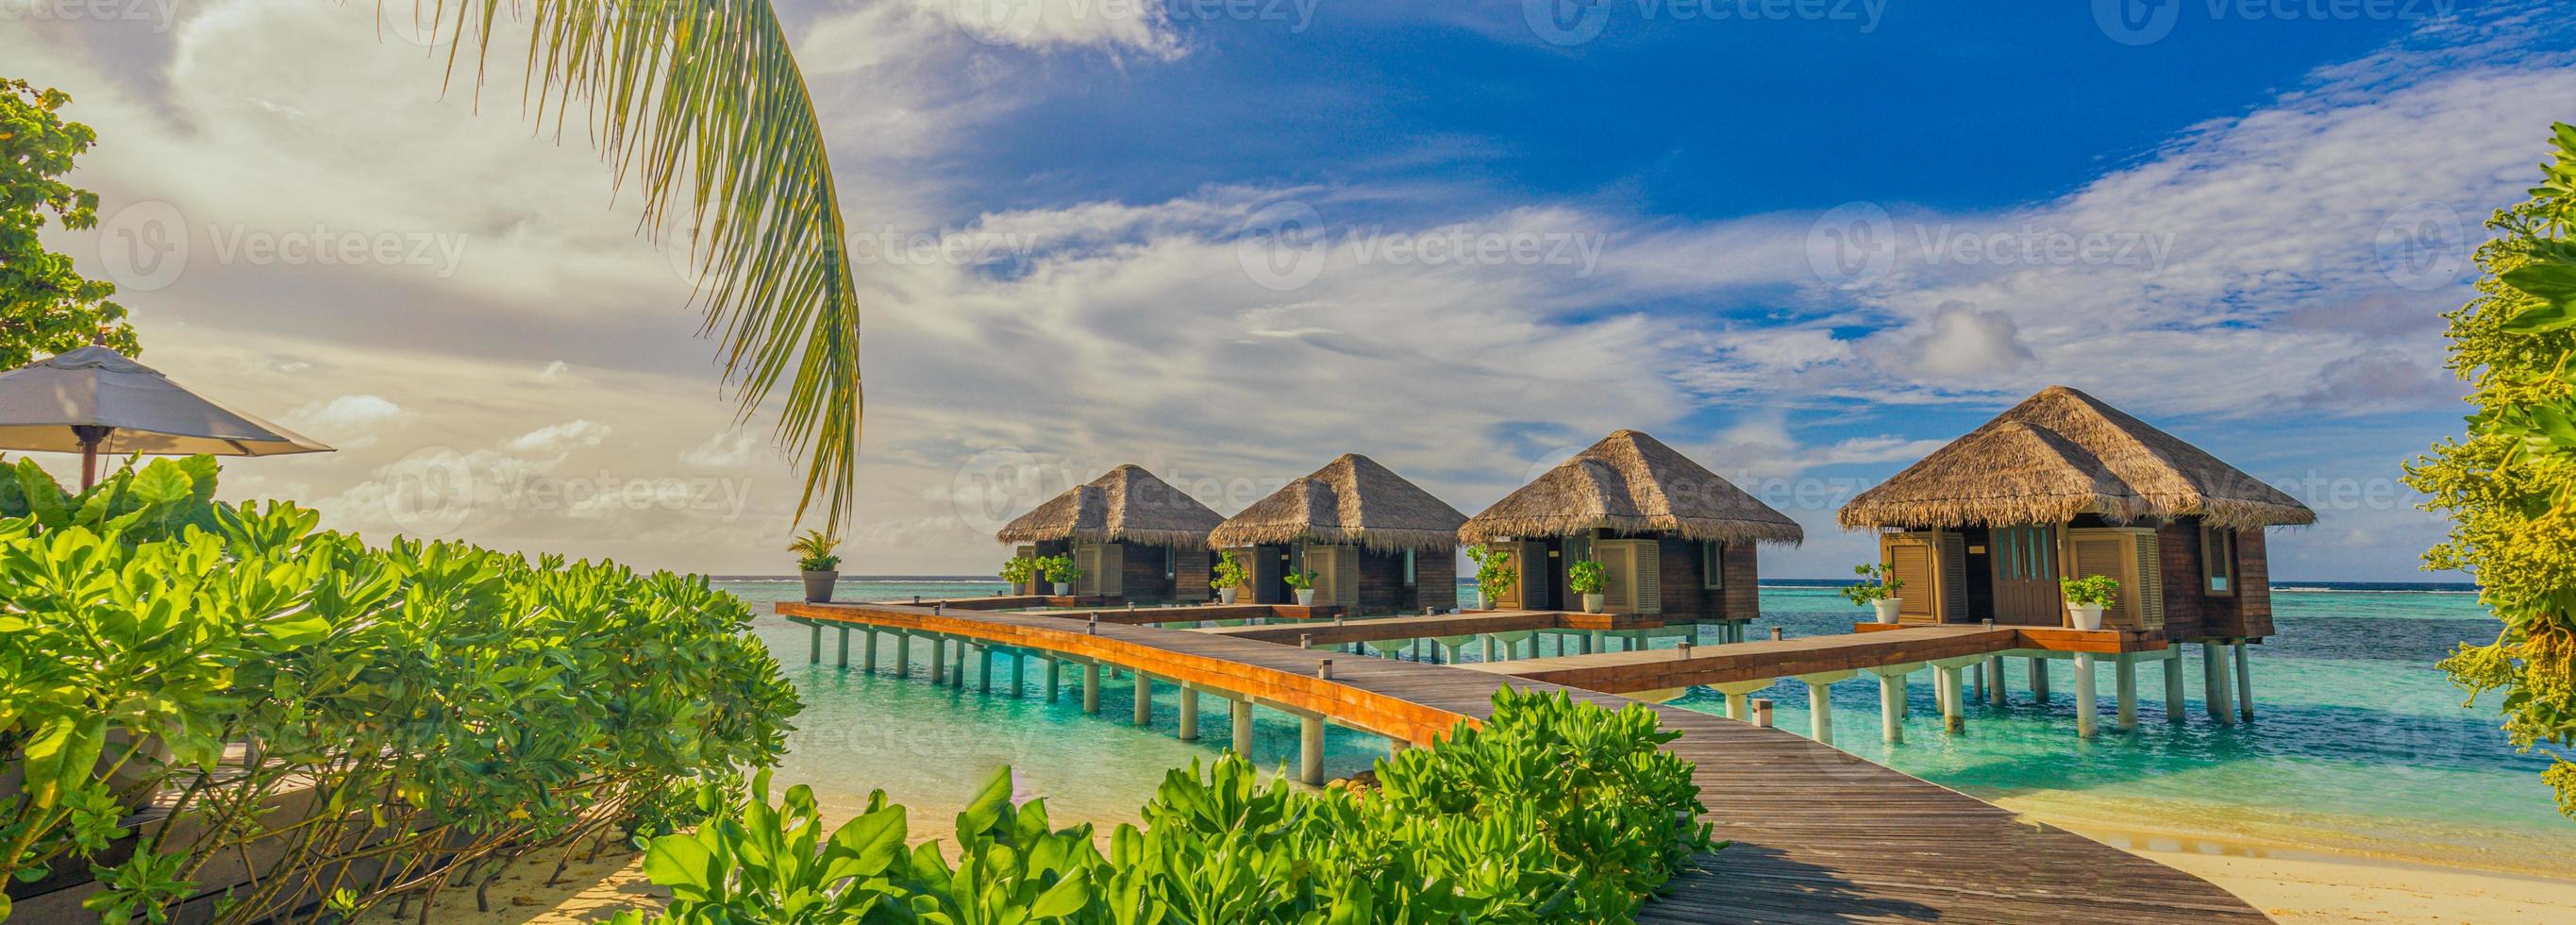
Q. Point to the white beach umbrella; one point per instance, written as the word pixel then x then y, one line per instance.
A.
pixel 95 400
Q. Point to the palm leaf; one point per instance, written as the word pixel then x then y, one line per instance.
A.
pixel 700 103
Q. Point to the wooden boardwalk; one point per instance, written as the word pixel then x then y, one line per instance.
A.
pixel 1819 836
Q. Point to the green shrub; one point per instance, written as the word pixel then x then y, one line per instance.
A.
pixel 2099 590
pixel 1060 569
pixel 1019 570
pixel 1553 811
pixel 1877 582
pixel 815 552
pixel 1228 572
pixel 1299 581
pixel 465 707
pixel 1587 577
pixel 1494 572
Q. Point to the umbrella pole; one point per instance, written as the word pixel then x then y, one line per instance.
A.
pixel 90 437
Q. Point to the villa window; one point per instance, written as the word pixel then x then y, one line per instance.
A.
pixel 2218 560
pixel 1408 569
pixel 1712 565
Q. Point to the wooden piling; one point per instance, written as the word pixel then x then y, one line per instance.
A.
pixel 2124 674
pixel 2244 684
pixel 1189 714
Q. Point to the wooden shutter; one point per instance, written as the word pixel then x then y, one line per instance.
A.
pixel 1912 555
pixel 2129 556
pixel 1618 592
pixel 1086 558
pixel 1113 569
pixel 1647 567
pixel 1346 576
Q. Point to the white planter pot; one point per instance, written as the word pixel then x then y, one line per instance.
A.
pixel 1887 608
pixel 818 586
pixel 1595 603
pixel 1063 588
pixel 1305 597
pixel 1225 595
pixel 2085 616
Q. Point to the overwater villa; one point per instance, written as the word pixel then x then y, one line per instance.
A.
pixel 1132 536
pixel 2065 485
pixel 1674 539
pixel 1369 541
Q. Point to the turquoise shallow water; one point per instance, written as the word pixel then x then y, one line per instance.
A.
pixel 2360 745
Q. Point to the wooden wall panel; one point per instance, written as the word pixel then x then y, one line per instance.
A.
pixel 1435 577
pixel 1684 598
pixel 1381 582
pixel 1743 596
pixel 2178 545
pixel 2254 585
pixel 1191 568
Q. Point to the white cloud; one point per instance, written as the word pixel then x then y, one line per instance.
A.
pixel 556 438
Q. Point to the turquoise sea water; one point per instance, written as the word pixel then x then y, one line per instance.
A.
pixel 2360 743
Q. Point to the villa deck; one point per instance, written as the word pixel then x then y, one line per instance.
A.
pixel 1819 836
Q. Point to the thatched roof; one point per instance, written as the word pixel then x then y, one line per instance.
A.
pixel 2062 453
pixel 1127 504
pixel 1351 500
pixel 1633 482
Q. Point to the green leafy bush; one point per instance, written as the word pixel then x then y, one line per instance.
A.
pixel 815 552
pixel 2509 483
pixel 1552 811
pixel 1299 581
pixel 449 708
pixel 1227 573
pixel 2096 590
pixel 1060 569
pixel 1877 582
pixel 1494 572
pixel 1587 577
pixel 1018 570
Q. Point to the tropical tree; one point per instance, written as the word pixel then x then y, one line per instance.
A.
pixel 699 103
pixel 45 306
pixel 2510 483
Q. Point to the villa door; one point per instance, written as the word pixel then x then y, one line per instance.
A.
pixel 2025 576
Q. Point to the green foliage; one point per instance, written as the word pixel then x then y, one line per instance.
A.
pixel 2097 590
pixel 461 706
pixel 1877 582
pixel 2509 484
pixel 1300 581
pixel 814 551
pixel 1060 569
pixel 1552 811
pixel 1494 571
pixel 1019 569
pixel 46 307
pixel 1228 572
pixel 1587 577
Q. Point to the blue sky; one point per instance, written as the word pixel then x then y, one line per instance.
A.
pixel 1231 242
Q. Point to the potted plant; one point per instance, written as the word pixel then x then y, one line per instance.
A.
pixel 1587 578
pixel 1226 577
pixel 1061 572
pixel 821 568
pixel 1877 589
pixel 2085 598
pixel 1021 572
pixel 1304 585
pixel 1494 574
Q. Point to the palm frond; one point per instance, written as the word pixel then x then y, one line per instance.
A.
pixel 700 103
